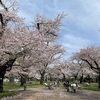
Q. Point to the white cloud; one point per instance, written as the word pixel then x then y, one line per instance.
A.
pixel 76 40
pixel 80 26
pixel 73 43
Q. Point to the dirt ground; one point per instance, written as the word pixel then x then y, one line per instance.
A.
pixel 54 94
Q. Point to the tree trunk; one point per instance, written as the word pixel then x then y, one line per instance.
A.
pixel 23 81
pixel 81 79
pixel 46 79
pixel 1 81
pixel 1 85
pixel 50 78
pixel 99 81
pixel 64 77
pixel 3 68
pixel 75 76
pixel 96 80
pixel 42 79
pixel 11 78
pixel 89 79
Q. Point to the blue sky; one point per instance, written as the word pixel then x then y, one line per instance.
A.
pixel 81 26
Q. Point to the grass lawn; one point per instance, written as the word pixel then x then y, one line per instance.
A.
pixel 35 84
pixel 7 93
pixel 93 86
pixel 7 86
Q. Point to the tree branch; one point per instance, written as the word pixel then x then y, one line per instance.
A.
pixel 3 5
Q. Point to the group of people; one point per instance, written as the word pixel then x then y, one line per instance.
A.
pixel 51 85
pixel 66 84
pixel 69 86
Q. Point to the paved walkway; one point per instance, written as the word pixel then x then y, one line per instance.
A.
pixel 62 94
pixel 55 94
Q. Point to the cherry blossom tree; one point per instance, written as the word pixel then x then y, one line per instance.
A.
pixel 72 70
pixel 86 72
pixel 16 39
pixel 8 16
pixel 90 55
pixel 46 58
pixel 64 69
pixel 49 52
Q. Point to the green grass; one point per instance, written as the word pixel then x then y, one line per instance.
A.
pixel 7 93
pixel 93 87
pixel 35 84
pixel 7 86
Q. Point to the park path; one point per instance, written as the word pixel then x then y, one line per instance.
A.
pixel 62 94
pixel 55 94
